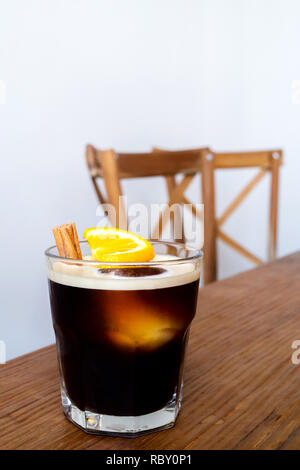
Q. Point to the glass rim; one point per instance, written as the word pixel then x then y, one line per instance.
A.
pixel 197 255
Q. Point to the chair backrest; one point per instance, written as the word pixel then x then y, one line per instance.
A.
pixel 113 167
pixel 267 161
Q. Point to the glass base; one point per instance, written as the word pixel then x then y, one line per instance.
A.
pixel 125 426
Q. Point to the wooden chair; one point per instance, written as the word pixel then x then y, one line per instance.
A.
pixel 113 167
pixel 267 161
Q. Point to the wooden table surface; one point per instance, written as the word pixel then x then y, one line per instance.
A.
pixel 241 389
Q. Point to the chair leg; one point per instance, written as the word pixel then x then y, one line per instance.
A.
pixel 113 187
pixel 208 198
pixel 273 206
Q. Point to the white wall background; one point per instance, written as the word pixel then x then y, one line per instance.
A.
pixel 130 75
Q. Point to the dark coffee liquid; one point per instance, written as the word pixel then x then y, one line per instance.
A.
pixel 121 352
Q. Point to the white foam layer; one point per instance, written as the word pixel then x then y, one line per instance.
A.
pixel 89 277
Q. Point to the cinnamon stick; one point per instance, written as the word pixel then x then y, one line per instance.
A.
pixel 76 241
pixel 59 241
pixel 67 242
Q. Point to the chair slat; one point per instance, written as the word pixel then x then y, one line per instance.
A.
pixel 262 159
pixel 239 248
pixel 241 196
pixel 157 164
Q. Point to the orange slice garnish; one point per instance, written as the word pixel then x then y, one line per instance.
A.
pixel 115 245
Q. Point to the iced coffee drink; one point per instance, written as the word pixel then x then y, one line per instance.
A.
pixel 121 332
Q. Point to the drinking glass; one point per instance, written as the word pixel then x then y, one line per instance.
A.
pixel 121 334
